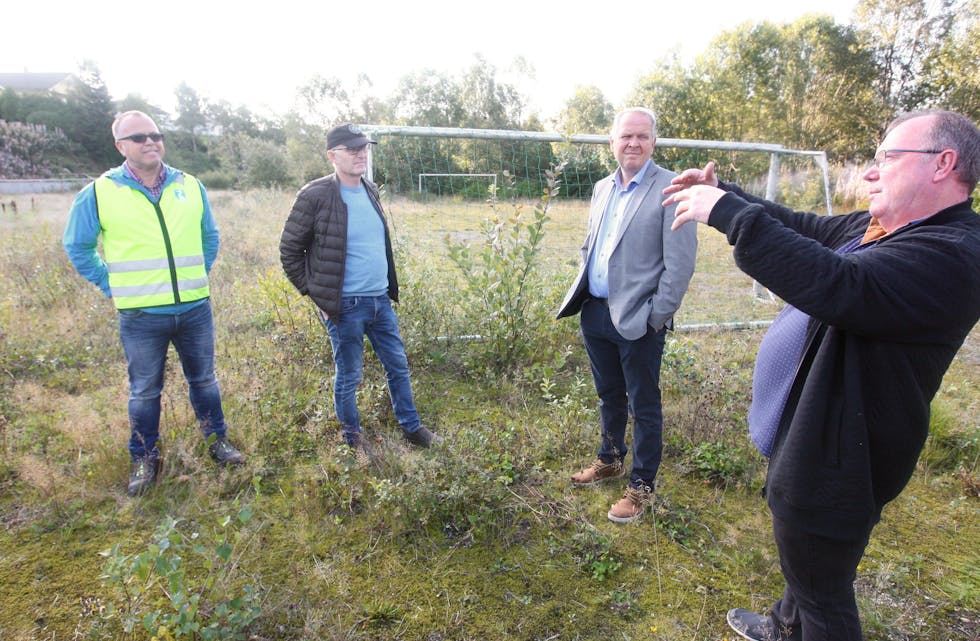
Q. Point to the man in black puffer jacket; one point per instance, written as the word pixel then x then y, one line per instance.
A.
pixel 336 249
pixel 879 302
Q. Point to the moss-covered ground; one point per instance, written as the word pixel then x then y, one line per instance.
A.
pixel 480 537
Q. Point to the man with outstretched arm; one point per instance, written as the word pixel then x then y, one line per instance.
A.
pixel 878 303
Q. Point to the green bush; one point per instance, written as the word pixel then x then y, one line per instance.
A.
pixel 216 179
pixel 719 463
pixel 157 590
pixel 594 551
pixel 500 291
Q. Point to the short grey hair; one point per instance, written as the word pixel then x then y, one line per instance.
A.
pixel 951 130
pixel 632 110
pixel 123 116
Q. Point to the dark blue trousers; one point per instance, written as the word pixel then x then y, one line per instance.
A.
pixel 626 374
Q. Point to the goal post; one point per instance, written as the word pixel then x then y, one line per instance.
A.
pixel 411 155
pixel 455 175
pixel 462 141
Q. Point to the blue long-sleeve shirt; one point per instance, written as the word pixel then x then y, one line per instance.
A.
pixel 82 232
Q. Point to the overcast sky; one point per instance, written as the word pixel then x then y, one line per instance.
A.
pixel 258 54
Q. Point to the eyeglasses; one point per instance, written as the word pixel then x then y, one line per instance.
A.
pixel 353 151
pixel 141 138
pixel 883 155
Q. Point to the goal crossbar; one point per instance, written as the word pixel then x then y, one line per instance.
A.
pixel 774 150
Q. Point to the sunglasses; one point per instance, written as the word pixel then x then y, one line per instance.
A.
pixel 141 138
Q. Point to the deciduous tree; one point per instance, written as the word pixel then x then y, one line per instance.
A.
pixel 902 35
pixel 950 76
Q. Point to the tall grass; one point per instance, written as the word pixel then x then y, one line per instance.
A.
pixel 481 537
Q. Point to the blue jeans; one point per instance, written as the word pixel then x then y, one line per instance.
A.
pixel 370 316
pixel 145 339
pixel 626 374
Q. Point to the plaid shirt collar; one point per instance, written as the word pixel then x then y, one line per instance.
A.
pixel 156 188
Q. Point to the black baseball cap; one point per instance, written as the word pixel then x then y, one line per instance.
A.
pixel 347 135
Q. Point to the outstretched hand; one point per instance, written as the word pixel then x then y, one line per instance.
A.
pixel 695 191
pixel 691 177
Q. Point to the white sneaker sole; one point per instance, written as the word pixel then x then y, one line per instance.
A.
pixel 626 519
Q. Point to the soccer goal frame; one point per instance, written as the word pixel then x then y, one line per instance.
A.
pixel 450 175
pixel 776 153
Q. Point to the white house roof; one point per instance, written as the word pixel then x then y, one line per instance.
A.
pixel 32 81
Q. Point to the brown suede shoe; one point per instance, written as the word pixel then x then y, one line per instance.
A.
pixel 598 471
pixel 632 506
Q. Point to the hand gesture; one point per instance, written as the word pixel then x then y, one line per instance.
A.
pixel 691 177
pixel 695 191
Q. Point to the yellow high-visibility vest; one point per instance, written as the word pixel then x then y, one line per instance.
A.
pixel 154 251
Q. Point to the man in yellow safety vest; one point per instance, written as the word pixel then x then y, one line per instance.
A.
pixel 159 241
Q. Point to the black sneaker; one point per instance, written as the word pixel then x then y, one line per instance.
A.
pixel 224 453
pixel 144 474
pixel 751 626
pixel 421 437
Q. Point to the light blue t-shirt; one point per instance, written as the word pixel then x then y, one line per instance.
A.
pixel 366 267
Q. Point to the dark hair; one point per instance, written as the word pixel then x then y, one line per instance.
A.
pixel 951 130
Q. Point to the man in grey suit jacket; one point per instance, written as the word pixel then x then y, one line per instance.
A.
pixel 635 271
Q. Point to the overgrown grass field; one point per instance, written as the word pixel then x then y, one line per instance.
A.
pixel 479 538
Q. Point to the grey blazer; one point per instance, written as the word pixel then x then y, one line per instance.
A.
pixel 650 266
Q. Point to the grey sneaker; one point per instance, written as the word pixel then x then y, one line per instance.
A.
pixel 144 474
pixel 361 454
pixel 751 626
pixel 224 453
pixel 421 437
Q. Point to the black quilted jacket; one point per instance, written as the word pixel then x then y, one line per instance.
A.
pixel 313 245
pixel 886 323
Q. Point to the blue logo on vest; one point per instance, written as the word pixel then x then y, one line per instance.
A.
pixel 180 194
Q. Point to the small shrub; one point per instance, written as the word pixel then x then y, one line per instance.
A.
pixel 214 180
pixel 460 496
pixel 382 614
pixel 623 601
pixel 594 552
pixel 719 463
pixel 679 523
pixel 156 590
pixel 500 294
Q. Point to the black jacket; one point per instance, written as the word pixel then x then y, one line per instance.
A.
pixel 313 245
pixel 886 323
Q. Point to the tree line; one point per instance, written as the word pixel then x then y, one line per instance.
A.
pixel 808 84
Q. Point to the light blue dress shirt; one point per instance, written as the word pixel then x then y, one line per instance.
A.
pixel 612 218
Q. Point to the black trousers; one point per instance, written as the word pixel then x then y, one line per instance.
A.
pixel 818 603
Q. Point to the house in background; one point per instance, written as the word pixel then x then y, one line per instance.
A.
pixel 32 83
pixel 57 82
